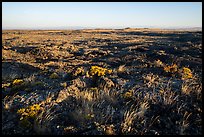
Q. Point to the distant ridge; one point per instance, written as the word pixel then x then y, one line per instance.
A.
pixel 80 28
pixel 190 29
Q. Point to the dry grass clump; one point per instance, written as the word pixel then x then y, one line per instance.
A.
pixel 158 63
pixel 184 123
pixel 7 102
pixel 78 71
pixel 128 94
pixel 172 68
pixel 43 125
pixel 91 108
pixel 129 117
pixel 191 86
pixel 121 68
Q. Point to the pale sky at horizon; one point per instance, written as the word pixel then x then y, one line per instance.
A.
pixel 33 15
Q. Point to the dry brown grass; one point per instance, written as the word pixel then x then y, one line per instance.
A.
pixel 138 97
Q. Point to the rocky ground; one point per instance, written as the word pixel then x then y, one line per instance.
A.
pixel 148 82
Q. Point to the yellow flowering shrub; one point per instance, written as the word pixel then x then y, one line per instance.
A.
pixel 29 112
pixel 187 74
pixel 99 71
pixel 17 82
pixel 172 68
pixel 6 85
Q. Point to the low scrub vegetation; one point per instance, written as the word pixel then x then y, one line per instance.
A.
pixel 101 82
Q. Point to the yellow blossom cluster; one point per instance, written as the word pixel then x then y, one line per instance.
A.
pixel 99 71
pixel 6 85
pixel 17 82
pixel 186 73
pixel 29 112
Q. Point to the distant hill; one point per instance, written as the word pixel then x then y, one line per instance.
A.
pixel 81 27
pixel 190 29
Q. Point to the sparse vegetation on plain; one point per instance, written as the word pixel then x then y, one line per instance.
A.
pixel 102 82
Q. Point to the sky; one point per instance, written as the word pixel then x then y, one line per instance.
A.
pixel 39 15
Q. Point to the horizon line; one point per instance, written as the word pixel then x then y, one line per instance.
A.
pixel 81 28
